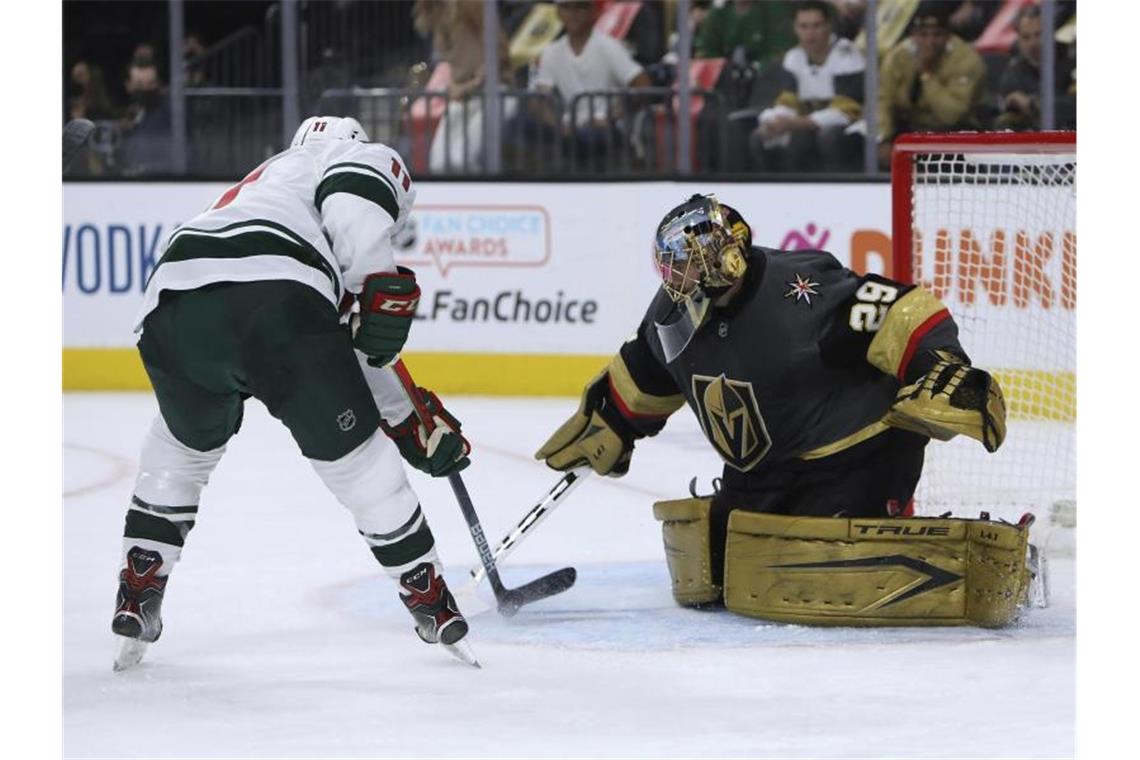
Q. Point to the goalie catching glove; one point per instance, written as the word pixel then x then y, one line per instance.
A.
pixel 388 304
pixel 441 451
pixel 596 435
pixel 952 398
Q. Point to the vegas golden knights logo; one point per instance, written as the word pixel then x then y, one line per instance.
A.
pixel 731 420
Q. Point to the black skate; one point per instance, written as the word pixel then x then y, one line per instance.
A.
pixel 138 606
pixel 438 619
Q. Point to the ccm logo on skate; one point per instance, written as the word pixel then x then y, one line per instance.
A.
pixel 879 529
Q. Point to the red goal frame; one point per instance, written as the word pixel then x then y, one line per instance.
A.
pixel 902 166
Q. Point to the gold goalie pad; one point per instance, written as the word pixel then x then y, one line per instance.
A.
pixel 685 530
pixel 864 572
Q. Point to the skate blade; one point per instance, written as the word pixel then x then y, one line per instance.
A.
pixel 463 652
pixel 131 652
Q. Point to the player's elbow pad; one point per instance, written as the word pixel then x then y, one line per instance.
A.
pixel 952 398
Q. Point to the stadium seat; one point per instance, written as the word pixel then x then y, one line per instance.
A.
pixel 1000 34
pixel 616 19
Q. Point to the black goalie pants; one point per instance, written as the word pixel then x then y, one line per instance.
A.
pixel 875 478
pixel 207 350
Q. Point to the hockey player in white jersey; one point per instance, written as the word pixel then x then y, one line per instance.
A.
pixel 250 299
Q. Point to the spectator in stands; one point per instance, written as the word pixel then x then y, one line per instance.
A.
pixel 147 141
pixel 583 60
pixel 971 18
pixel 1020 85
pixel 931 82
pixel 821 94
pixel 848 17
pixel 87 93
pixel 456 30
pixel 746 31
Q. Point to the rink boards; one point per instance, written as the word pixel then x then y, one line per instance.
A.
pixel 528 288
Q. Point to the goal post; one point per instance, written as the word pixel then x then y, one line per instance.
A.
pixel 987 223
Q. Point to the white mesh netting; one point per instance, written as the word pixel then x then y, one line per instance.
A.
pixel 995 239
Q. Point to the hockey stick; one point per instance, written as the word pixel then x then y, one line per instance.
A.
pixel 509 600
pixel 76 133
pixel 537 514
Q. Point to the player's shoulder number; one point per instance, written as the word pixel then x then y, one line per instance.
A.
pixel 873 299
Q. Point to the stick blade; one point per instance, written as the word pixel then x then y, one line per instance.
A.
pixel 540 588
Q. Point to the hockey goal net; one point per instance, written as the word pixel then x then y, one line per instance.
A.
pixel 987 222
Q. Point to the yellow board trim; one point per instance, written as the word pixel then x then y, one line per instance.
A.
pixel 1029 394
pixel 103 369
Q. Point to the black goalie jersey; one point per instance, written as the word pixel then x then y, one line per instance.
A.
pixel 802 364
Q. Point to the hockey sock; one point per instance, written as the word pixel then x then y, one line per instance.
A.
pixel 404 548
pixel 159 528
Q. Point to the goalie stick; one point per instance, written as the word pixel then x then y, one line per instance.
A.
pixel 537 514
pixel 508 600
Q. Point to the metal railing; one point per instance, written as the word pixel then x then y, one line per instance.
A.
pixel 638 131
pixel 437 135
pixel 241 100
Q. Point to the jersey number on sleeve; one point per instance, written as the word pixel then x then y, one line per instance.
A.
pixel 229 195
pixel 873 300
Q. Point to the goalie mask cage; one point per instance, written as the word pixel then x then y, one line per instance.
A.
pixel 987 222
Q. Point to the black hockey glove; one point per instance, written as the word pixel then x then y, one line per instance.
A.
pixel 596 435
pixel 441 452
pixel 387 307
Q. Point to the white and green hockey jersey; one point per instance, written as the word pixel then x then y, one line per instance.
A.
pixel 321 213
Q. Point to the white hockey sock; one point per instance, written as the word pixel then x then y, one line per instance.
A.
pixel 165 502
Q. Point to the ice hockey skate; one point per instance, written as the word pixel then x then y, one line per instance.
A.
pixel 437 616
pixel 137 622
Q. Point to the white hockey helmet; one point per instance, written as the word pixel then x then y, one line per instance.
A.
pixel 317 128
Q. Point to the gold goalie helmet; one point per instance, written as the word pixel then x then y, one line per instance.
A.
pixel 700 252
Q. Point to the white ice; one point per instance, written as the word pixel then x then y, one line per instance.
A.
pixel 283 639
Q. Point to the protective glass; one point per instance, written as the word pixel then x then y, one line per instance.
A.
pixel 682 323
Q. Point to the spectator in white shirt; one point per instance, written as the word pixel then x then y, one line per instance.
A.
pixel 821 95
pixel 583 60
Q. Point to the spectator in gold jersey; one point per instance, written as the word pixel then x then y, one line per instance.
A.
pixel 933 81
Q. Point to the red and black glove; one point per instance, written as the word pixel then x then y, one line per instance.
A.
pixel 388 304
pixel 440 451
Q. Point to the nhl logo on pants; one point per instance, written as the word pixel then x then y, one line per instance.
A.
pixel 346 420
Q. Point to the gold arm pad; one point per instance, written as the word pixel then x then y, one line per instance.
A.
pixel 635 400
pixel 905 324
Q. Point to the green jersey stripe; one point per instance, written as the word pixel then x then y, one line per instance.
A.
pixel 344 166
pixel 253 223
pixel 364 186
pixel 192 245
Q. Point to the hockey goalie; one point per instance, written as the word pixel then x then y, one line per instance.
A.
pixel 820 389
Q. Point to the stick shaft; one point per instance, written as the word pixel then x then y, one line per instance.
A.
pixel 539 512
pixel 457 484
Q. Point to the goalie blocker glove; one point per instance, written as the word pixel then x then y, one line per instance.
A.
pixel 951 398
pixel 439 452
pixel 596 435
pixel 388 304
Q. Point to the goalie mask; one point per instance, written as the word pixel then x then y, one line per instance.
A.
pixel 700 253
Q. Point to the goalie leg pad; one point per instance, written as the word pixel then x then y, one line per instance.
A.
pixel 685 531
pixel 868 572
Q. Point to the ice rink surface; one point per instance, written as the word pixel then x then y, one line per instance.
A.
pixel 282 638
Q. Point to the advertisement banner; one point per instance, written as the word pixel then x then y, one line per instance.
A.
pixel 511 268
